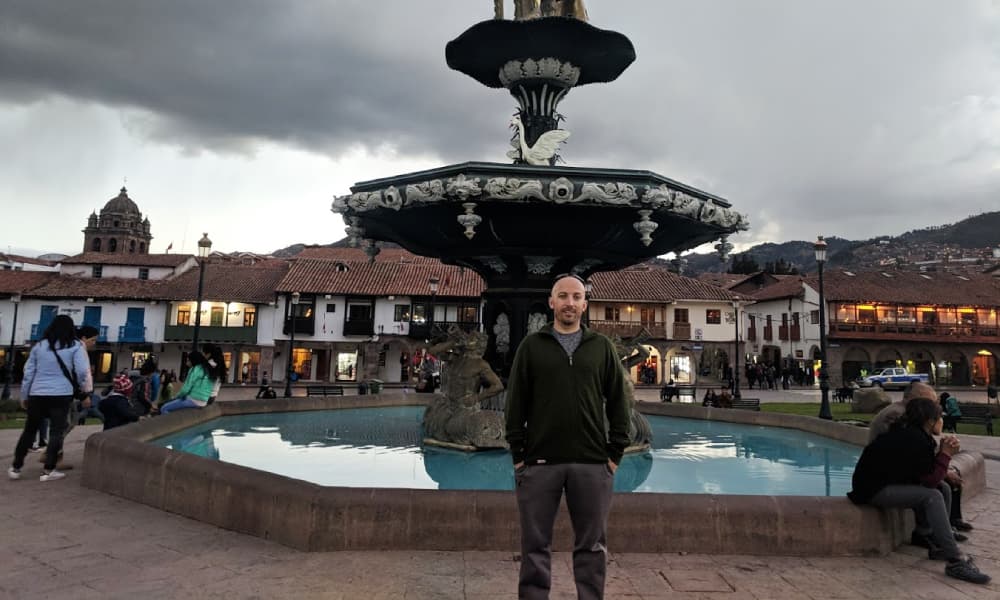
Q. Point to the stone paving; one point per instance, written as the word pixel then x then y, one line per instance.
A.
pixel 60 540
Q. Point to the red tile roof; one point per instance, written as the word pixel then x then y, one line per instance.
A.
pixel 788 286
pixel 69 286
pixel 358 254
pixel 653 284
pixel 138 260
pixel 907 287
pixel 22 282
pixel 26 259
pixel 723 280
pixel 380 278
pixel 229 283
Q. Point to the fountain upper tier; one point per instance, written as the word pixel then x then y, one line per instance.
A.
pixel 518 223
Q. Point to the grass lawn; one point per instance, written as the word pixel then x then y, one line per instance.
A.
pixel 842 412
pixel 16 421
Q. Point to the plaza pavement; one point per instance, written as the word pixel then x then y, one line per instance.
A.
pixel 60 540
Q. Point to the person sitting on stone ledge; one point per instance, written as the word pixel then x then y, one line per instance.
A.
pixel 881 424
pixel 116 407
pixel 901 469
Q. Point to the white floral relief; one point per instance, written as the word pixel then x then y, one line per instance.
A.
pixel 607 193
pixel 536 321
pixel 503 188
pixel 428 191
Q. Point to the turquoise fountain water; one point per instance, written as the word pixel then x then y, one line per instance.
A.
pixel 381 448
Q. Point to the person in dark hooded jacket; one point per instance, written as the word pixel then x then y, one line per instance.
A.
pixel 903 469
pixel 115 407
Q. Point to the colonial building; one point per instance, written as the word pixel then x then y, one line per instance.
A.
pixel 120 228
pixel 237 313
pixel 127 313
pixel 943 324
pixel 358 319
pixel 687 327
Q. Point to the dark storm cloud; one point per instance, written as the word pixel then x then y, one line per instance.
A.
pixel 223 73
pixel 814 114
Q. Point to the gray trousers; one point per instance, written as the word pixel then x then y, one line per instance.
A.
pixel 588 490
pixel 931 508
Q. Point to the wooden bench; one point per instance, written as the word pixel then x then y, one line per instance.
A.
pixel 325 390
pixel 977 414
pixel 747 404
pixel 668 392
pixel 843 394
pixel 686 391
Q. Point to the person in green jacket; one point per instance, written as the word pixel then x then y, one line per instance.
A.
pixel 565 382
pixel 950 411
pixel 197 388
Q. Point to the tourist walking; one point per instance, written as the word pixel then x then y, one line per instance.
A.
pixel 57 371
pixel 564 382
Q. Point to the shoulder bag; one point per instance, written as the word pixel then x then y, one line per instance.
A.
pixel 71 376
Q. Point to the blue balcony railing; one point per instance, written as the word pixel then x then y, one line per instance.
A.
pixel 37 330
pixel 131 333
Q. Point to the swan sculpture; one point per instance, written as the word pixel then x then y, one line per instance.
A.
pixel 543 150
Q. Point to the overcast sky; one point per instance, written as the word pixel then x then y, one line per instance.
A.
pixel 243 118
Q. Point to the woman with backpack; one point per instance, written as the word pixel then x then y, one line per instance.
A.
pixel 57 371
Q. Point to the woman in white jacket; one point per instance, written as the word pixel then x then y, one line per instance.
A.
pixel 47 391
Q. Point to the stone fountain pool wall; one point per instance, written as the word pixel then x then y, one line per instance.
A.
pixel 316 518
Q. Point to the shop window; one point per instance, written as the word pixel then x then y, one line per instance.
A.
pixel 216 316
pixel 183 315
pixel 347 366
pixel 713 316
pixel 249 316
pixel 468 314
pixel 401 313
pixel 302 363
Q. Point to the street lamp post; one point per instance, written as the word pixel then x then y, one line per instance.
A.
pixel 16 299
pixel 824 376
pixel 204 248
pixel 433 283
pixel 291 346
pixel 736 351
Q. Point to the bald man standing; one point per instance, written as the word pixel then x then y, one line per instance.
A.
pixel 565 381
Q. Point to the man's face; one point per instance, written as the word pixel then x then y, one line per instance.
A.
pixel 568 300
pixel 89 342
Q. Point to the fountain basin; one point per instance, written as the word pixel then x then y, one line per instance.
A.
pixel 316 518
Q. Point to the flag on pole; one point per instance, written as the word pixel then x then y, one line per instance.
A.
pixel 170 246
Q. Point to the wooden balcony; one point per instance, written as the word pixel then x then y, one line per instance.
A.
pixel 768 333
pixel 924 332
pixel 208 333
pixel 422 331
pixel 358 327
pixel 752 334
pixel 627 329
pixel 681 331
